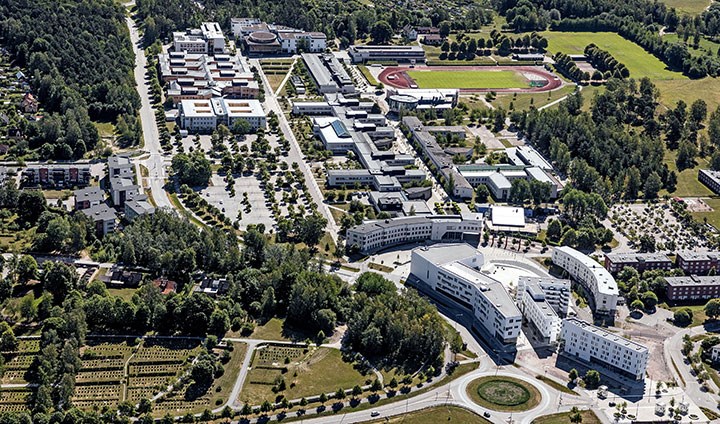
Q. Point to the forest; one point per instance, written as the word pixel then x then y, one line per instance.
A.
pixel 81 61
pixel 347 21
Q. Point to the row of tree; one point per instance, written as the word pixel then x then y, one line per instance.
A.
pixel 604 62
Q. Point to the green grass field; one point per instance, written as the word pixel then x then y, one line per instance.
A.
pixel 439 414
pixel 690 7
pixel 505 394
pixel 688 91
pixel 688 184
pixel 588 417
pixel 468 79
pixel 638 61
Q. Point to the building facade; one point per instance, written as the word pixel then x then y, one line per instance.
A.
pixel 692 288
pixel 596 346
pixel 615 262
pixel 593 277
pixel 362 54
pixel 697 262
pixel 454 271
pixel 543 302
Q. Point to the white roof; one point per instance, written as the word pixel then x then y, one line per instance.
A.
pixel 197 108
pixel 242 108
pixel 508 216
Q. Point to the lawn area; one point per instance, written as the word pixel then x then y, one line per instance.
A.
pixel 688 184
pixel 224 385
pixel 271 330
pixel 690 7
pixel 505 394
pixel 124 294
pixel 106 129
pixel 689 90
pixel 557 386
pixel 638 61
pixel 468 79
pixel 523 101
pixel 307 373
pixel 713 218
pixel 275 80
pixel 438 414
pixel 366 73
pixel 698 311
pixel 588 417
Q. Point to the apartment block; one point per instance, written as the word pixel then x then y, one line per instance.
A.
pixel 593 277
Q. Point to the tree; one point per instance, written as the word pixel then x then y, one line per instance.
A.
pixel 31 204
pixel 575 415
pixel 637 305
pixel 193 169
pixel 649 299
pixel 8 341
pixel 376 386
pixel 481 193
pixel 569 238
pixel 241 127
pixel 323 398
pixel 573 375
pixel 444 28
pixel 712 308
pixel 520 191
pixel 686 155
pixel 340 394
pixel 698 111
pixel 59 279
pixel 554 230
pixel 381 32
pixel 356 391
pixel 682 317
pixel 203 372
pixel 310 229
pixel 145 406
pixel 647 243
pixel 591 379
pixel 652 186
pixel 26 269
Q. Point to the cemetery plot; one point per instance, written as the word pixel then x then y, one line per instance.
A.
pixel 13 400
pixel 18 362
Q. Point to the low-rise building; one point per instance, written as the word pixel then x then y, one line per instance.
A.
pixel 120 166
pixel 213 286
pixel 697 262
pixel 409 99
pixel 86 198
pixel 103 217
pixel 615 262
pixel 498 178
pixel 261 38
pixel 597 346
pixel 455 272
pixel 690 288
pixel 543 302
pixel 328 73
pixel 362 54
pixel 60 175
pixel 372 236
pixel 138 206
pixel 593 277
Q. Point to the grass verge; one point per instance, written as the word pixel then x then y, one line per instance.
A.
pixel 434 415
pixel 557 386
pixel 588 417
pixel 505 394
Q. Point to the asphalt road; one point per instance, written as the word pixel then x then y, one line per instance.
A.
pixel 155 162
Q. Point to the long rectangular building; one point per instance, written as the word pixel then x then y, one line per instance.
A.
pixel 203 116
pixel 362 54
pixel 454 271
pixel 593 277
pixel 692 288
pixel 615 262
pixel 597 346
pixel 328 73
pixel 697 262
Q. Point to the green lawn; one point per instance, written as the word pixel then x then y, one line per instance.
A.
pixel 588 417
pixel 690 7
pixel 318 371
pixel 638 61
pixel 687 90
pixel 698 311
pixel 368 76
pixel 468 79
pixel 523 101
pixel 438 414
pixel 223 386
pixel 505 394
pixel 557 386
pixel 271 330
pixel 713 218
pixel 688 184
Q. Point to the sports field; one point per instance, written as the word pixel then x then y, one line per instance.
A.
pixel 468 79
pixel 638 61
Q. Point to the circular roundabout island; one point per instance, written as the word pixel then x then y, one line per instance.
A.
pixel 503 394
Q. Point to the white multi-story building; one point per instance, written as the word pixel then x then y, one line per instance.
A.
pixel 375 235
pixel 543 301
pixel 597 281
pixel 208 39
pixel 454 270
pixel 595 345
pixel 205 115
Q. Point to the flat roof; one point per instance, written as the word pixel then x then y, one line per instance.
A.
pixel 197 108
pixel 693 281
pixel 100 212
pixel 242 107
pixel 637 257
pixel 698 256
pixel 507 216
pixel 606 284
pixel 606 335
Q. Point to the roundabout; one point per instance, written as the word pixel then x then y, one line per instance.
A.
pixel 503 394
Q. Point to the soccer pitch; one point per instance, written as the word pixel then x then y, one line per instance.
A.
pixel 639 62
pixel 478 79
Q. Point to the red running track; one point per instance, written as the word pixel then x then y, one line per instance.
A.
pixel 402 79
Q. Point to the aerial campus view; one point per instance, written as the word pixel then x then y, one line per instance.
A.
pixel 364 211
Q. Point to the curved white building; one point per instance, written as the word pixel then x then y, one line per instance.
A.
pixel 596 280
